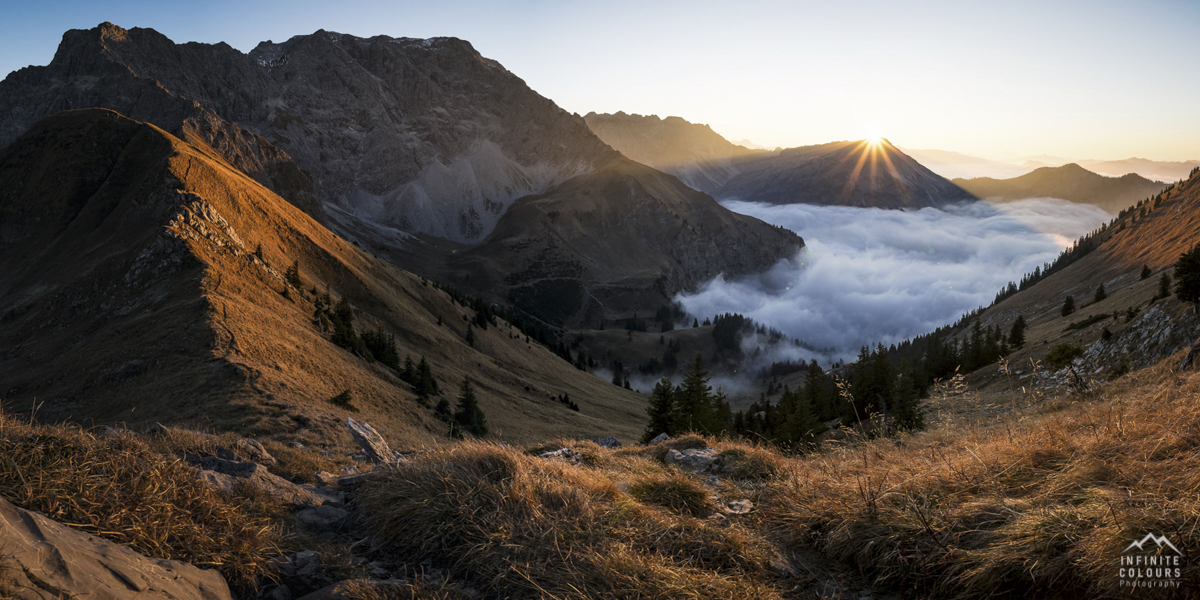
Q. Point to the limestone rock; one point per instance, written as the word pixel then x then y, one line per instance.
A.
pixel 609 442
pixel 662 437
pixel 697 461
pixel 253 450
pixel 51 560
pixel 563 454
pixel 370 441
pixel 225 475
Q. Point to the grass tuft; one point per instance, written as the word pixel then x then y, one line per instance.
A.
pixel 116 487
pixel 514 525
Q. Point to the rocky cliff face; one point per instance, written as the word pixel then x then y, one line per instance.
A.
pixel 123 70
pixel 424 135
pixel 415 149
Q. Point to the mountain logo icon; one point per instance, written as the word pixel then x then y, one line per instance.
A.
pixel 1159 540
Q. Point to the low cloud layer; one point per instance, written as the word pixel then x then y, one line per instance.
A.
pixel 871 275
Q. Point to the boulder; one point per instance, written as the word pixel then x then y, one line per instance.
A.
pixel 225 475
pixel 609 442
pixel 370 441
pixel 252 450
pixel 697 461
pixel 662 437
pixel 50 560
pixel 564 454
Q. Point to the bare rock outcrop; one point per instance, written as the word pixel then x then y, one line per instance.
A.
pixel 370 441
pixel 51 560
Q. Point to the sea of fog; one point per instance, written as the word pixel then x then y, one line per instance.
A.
pixel 870 275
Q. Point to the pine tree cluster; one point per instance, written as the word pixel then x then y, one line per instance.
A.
pixel 692 406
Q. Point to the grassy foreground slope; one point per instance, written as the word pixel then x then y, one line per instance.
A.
pixel 1039 504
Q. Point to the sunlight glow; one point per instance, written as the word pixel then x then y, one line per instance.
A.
pixel 874 136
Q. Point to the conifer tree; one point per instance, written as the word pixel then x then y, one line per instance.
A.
pixel 292 276
pixel 426 384
pixel 1164 287
pixel 1146 272
pixel 1187 277
pixel 1100 294
pixel 693 401
pixel 1016 336
pixel 907 414
pixel 660 410
pixel 469 418
pixel 409 373
pixel 1068 306
pixel 816 391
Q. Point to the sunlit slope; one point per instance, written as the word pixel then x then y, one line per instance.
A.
pixel 131 292
pixel 1144 327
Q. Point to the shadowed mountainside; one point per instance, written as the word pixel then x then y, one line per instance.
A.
pixel 622 237
pixel 1068 182
pixel 132 292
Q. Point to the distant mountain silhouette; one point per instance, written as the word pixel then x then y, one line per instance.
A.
pixel 1068 182
pixel 839 173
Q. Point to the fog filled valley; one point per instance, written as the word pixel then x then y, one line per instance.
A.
pixel 869 276
pixel 368 318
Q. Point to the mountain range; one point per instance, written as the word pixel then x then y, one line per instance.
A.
pixel 416 149
pixel 143 278
pixel 1068 182
pixel 839 173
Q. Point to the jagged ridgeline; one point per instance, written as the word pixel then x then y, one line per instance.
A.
pixel 145 279
pixel 423 152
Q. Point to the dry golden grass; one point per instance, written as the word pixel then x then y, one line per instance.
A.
pixel 1041 506
pixel 303 465
pixel 118 488
pixel 365 590
pixel 514 525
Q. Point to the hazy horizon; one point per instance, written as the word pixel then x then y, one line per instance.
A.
pixel 1097 80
